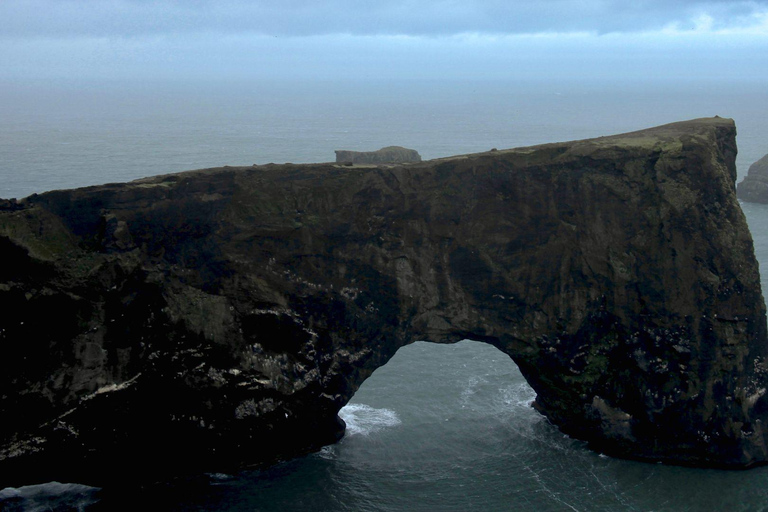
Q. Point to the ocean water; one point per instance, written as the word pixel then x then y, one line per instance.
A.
pixel 440 427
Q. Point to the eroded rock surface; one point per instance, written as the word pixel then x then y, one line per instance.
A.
pixel 388 155
pixel 754 188
pixel 209 319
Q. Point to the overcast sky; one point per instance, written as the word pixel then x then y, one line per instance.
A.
pixel 301 39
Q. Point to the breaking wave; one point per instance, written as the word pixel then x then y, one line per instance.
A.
pixel 363 419
pixel 50 496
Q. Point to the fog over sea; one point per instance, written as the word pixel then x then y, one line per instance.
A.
pixel 440 427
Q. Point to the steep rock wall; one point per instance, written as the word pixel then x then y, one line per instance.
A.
pixel 205 320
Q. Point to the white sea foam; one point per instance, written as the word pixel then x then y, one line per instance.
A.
pixel 328 452
pixel 50 496
pixel 364 419
pixel 520 395
pixel 217 478
pixel 468 393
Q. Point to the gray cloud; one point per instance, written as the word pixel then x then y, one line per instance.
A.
pixel 128 18
pixel 204 40
pixel 212 58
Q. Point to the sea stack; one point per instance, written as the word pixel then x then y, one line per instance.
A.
pixel 388 155
pixel 754 188
pixel 213 319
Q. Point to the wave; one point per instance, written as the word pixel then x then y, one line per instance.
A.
pixel 50 496
pixel 520 395
pixel 363 419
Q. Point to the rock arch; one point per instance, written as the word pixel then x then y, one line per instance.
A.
pixel 222 317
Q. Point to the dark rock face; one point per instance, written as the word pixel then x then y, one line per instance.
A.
pixel 388 155
pixel 210 319
pixel 754 188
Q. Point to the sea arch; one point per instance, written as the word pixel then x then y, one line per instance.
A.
pixel 223 317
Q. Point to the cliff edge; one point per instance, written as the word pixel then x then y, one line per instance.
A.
pixel 211 319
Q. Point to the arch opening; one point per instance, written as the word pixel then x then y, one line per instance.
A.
pixel 444 401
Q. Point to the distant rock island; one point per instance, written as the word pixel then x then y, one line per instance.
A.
pixel 754 188
pixel 388 155
pixel 214 319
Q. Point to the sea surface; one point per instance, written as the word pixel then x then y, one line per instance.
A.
pixel 439 427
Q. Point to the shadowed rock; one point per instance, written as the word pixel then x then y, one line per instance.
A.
pixel 754 188
pixel 205 320
pixel 388 155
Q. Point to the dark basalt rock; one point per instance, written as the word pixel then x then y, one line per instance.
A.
pixel 754 188
pixel 388 155
pixel 211 319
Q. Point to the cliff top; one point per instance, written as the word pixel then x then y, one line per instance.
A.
pixel 649 137
pixel 659 136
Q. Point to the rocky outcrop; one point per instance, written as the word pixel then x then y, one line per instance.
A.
pixel 754 188
pixel 388 155
pixel 210 319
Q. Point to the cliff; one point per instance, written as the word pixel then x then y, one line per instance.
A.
pixel 754 188
pixel 211 319
pixel 388 155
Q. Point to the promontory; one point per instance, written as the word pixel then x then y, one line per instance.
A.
pixel 213 319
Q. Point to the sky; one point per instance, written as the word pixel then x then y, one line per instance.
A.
pixel 206 40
